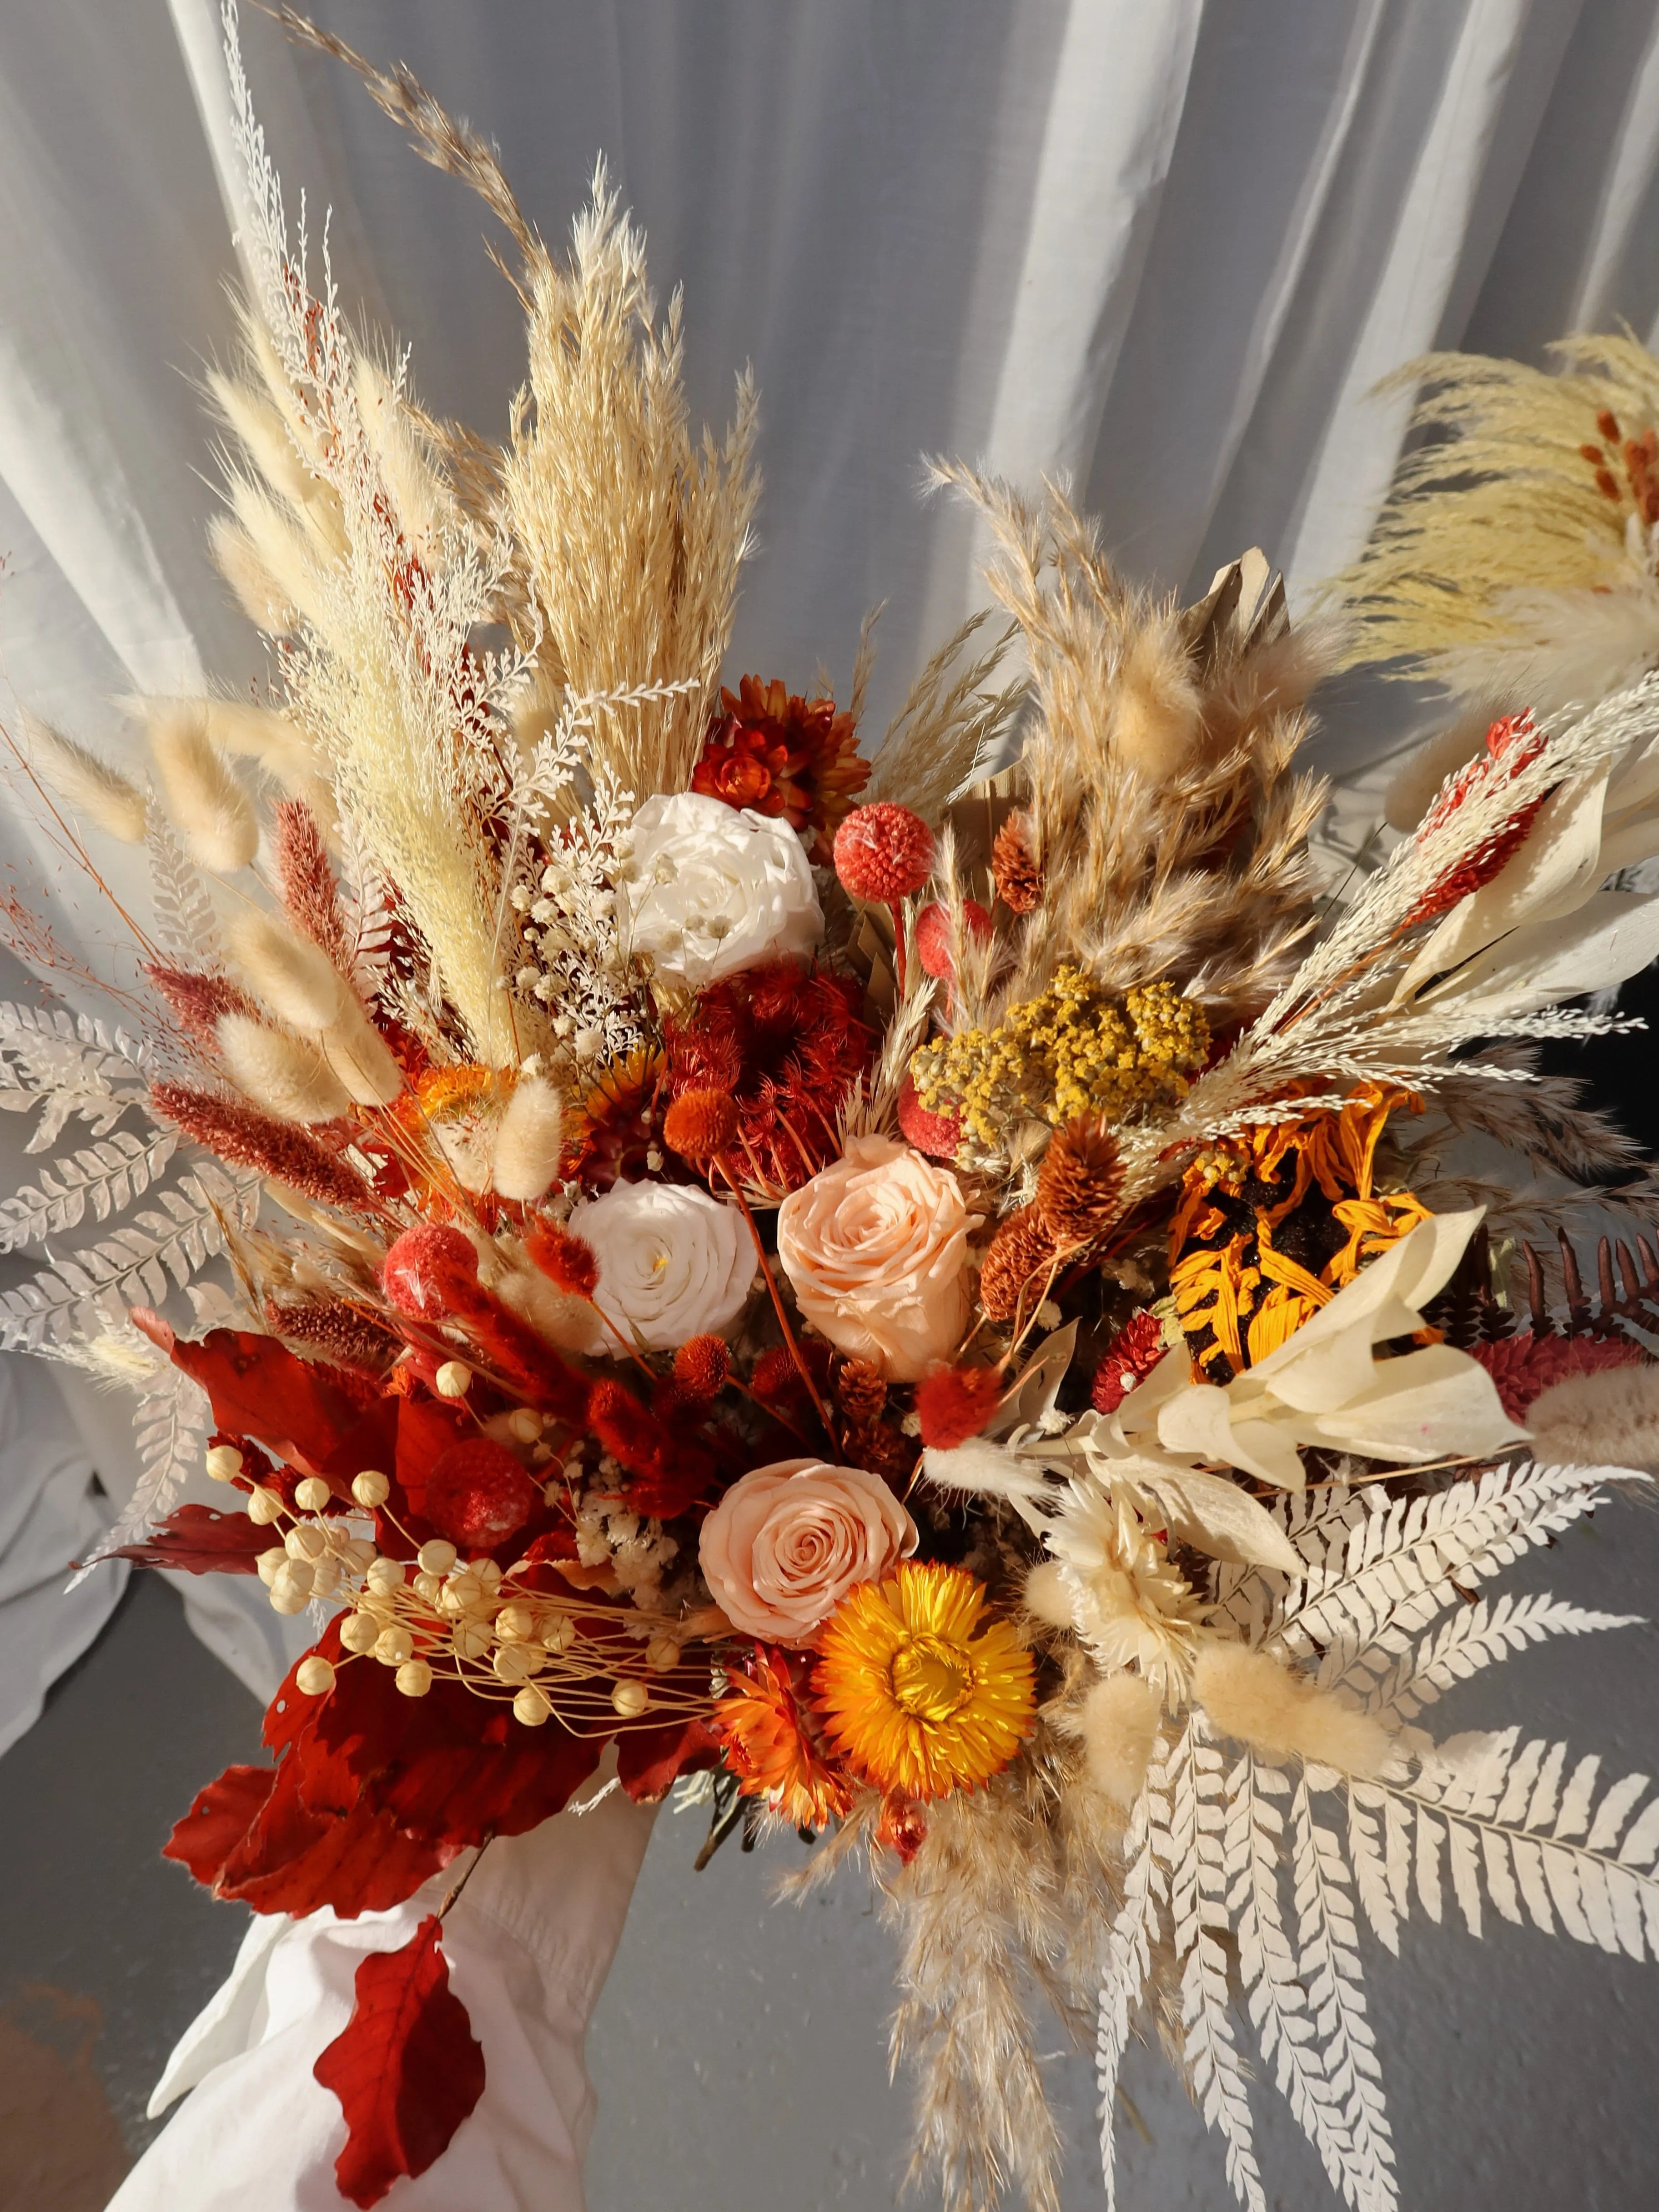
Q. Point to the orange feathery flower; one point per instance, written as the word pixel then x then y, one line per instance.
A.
pixel 954 1403
pixel 613 1132
pixel 765 1731
pixel 919 1691
pixel 775 753
pixel 701 1124
pixel 568 1261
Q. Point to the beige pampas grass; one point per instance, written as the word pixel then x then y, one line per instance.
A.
pixel 284 1075
pixel 258 594
pixel 527 1143
pixel 425 507
pixel 1251 1696
pixel 1609 1420
pixel 86 784
pixel 296 981
pixel 213 814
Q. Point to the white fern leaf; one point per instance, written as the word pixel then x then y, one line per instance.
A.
pixel 1480 1636
pixel 1199 1909
pixel 171 1426
pixel 369 911
pixel 187 922
pixel 106 1177
pixel 68 1065
pixel 1129 1963
pixel 1330 1973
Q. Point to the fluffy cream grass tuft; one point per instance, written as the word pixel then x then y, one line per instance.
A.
pixel 286 1075
pixel 84 783
pixel 1609 1420
pixel 527 1144
pixel 1255 1698
pixel 214 814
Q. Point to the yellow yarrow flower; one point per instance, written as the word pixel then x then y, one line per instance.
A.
pixel 1073 1051
pixel 920 1692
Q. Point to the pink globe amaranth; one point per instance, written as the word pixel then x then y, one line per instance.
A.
pixel 883 853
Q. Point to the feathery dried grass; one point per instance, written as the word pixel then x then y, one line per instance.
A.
pixel 1167 825
pixel 1499 564
pixel 950 725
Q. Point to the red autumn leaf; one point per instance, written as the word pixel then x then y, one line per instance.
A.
pixel 294 1860
pixel 300 1409
pixel 407 2068
pixel 199 1540
pixel 649 1761
pixel 219 1819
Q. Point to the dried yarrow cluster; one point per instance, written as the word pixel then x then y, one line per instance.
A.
pixel 923 1293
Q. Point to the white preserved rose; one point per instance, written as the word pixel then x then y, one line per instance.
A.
pixel 710 889
pixel 674 1263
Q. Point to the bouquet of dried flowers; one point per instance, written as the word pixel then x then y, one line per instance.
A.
pixel 923 1305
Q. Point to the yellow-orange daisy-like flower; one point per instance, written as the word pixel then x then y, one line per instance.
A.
pixel 769 1749
pixel 919 1691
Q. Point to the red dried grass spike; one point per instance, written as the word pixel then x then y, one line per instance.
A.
pixel 568 1261
pixel 669 1474
pixel 309 892
pixel 883 853
pixel 431 1273
pixel 244 1138
pixel 701 1366
pixel 1133 1352
pixel 199 1003
pixel 954 1403
pixel 339 1332
pixel 1525 1364
pixel 701 1124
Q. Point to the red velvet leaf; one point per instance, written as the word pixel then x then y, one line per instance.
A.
pixel 218 1821
pixel 294 1407
pixel 407 2068
pixel 201 1541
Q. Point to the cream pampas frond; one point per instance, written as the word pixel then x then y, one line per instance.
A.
pixel 1515 561
pixel 1163 817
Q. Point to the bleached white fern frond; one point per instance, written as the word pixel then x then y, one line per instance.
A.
pixel 70 1066
pixel 1480 1636
pixel 107 1177
pixel 170 1426
pixel 1128 1962
pixel 173 1239
pixel 187 920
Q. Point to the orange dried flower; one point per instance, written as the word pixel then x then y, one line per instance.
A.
pixel 765 1731
pixel 1014 868
pixel 1080 1182
pixel 954 1403
pixel 884 852
pixel 933 935
pixel 701 1366
pixel 1020 1253
pixel 777 754
pixel 700 1124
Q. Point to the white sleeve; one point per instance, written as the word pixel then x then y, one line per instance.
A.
pixel 529 1942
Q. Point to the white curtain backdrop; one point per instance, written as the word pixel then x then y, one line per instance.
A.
pixel 1165 246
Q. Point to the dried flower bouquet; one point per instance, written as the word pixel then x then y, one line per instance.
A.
pixel 922 1305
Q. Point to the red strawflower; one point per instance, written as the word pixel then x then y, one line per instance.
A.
pixel 782 1045
pixel 780 754
pixel 883 853
pixel 939 1135
pixel 1133 1351
pixel 954 1403
pixel 1523 1365
pixel 933 935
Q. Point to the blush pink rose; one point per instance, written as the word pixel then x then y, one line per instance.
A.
pixel 877 1249
pixel 787 1543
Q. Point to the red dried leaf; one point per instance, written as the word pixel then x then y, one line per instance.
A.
pixel 200 1540
pixel 650 1760
pixel 219 1819
pixel 294 1860
pixel 407 2068
pixel 295 1407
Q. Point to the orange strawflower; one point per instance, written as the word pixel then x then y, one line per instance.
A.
pixel 769 1748
pixel 777 754
pixel 921 1692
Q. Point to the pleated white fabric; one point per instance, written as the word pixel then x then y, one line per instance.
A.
pixel 529 1943
pixel 1167 250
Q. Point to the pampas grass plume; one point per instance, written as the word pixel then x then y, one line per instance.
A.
pixel 282 1073
pixel 85 783
pixel 527 1144
pixel 214 814
pixel 1117 1723
pixel 1607 1419
pixel 297 981
pixel 1250 1696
